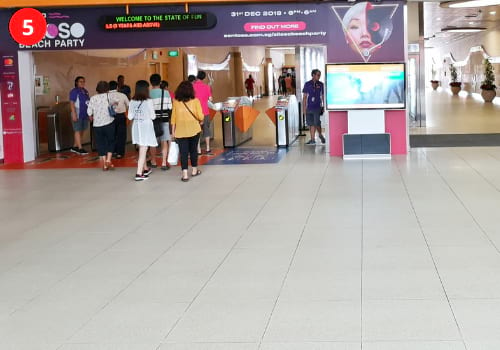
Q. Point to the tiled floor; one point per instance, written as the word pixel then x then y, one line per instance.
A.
pixel 463 114
pixel 311 253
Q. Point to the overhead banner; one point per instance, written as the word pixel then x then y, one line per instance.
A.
pixel 159 21
pixel 364 32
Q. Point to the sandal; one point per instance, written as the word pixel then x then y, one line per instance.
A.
pixel 151 165
pixel 110 166
pixel 198 172
pixel 165 167
pixel 184 179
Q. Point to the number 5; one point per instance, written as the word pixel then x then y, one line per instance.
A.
pixel 27 24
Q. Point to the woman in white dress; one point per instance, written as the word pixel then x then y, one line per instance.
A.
pixel 142 112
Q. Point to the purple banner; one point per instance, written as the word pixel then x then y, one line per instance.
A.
pixel 360 33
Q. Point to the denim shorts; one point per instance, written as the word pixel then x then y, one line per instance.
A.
pixel 80 124
pixel 313 118
pixel 207 132
pixel 166 132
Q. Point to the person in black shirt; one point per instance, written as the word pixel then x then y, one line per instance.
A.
pixel 124 89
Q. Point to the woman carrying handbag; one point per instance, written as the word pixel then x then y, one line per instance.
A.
pixel 142 112
pixel 186 119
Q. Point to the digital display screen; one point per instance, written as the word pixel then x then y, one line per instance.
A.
pixel 159 21
pixel 365 86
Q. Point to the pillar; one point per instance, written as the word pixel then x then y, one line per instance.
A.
pixel 236 72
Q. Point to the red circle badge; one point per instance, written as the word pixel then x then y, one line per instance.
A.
pixel 27 26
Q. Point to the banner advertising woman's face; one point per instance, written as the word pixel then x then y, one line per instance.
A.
pixel 368 30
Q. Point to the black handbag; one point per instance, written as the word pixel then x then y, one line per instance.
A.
pixel 163 114
pixel 157 123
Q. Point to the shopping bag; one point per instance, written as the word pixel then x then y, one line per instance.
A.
pixel 173 153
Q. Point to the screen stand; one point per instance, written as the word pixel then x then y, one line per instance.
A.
pixel 366 137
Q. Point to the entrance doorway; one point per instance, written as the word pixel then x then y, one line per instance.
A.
pixel 60 68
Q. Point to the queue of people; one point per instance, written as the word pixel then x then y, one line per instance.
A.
pixel 180 119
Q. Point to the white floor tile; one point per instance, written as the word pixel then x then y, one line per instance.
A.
pixel 404 320
pixel 396 258
pixel 346 254
pixel 415 345
pixel 317 285
pixel 322 321
pixel 118 346
pixel 478 319
pixel 482 345
pixel 407 284
pixel 471 283
pixel 210 346
pixel 126 322
pixel 242 321
pixel 30 346
pixel 484 257
pixel 312 346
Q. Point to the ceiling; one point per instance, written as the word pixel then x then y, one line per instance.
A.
pixel 437 17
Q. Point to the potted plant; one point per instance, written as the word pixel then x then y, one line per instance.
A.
pixel 434 82
pixel 488 84
pixel 455 85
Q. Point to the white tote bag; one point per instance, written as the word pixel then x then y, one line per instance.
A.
pixel 173 153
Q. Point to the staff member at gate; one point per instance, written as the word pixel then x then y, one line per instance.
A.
pixel 313 103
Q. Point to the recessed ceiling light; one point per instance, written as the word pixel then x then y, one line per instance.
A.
pixel 493 13
pixel 439 18
pixel 474 3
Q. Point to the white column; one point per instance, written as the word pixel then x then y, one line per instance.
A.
pixel 26 86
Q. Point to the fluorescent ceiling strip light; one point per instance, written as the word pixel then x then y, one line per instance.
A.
pixel 474 3
pixel 282 48
pixel 463 29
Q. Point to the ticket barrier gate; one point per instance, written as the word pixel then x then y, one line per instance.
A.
pixel 59 127
pixel 287 121
pixel 232 136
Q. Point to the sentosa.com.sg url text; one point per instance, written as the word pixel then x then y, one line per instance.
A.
pixel 273 34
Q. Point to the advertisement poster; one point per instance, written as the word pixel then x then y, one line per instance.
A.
pixel 38 85
pixel 11 110
pixel 363 32
pixel 368 32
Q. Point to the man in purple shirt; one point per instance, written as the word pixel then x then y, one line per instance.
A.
pixel 79 99
pixel 312 104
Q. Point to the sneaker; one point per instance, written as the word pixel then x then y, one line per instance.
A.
pixel 139 177
pixel 311 142
pixel 322 138
pixel 147 172
pixel 74 149
pixel 82 151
